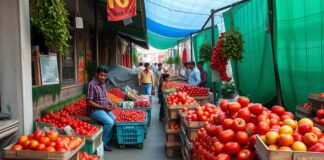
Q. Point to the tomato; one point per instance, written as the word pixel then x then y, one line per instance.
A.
pixel 204 118
pixel 273 116
pixel 252 140
pixel 218 147
pixel 244 154
pixel 188 117
pixel 232 147
pixel 22 139
pixel 256 108
pixel 299 146
pixel 41 147
pixel 233 107
pixel 223 156
pixel 321 140
pixel 243 101
pixel 320 113
pixel 26 144
pixel 244 114
pixel 220 118
pixel 263 117
pixel 272 138
pixel 33 144
pixel 239 124
pixel 226 136
pixel 227 123
pixel 291 115
pixel 218 129
pixel 223 105
pixel 52 136
pixel 50 149
pixel 38 134
pixel 45 140
pixel 194 117
pixel 274 122
pixel 17 147
pixel 285 140
pixel 310 139
pixel 185 109
pixel 279 110
pixel 61 150
pixel 304 128
pixel 318 147
pixel 250 128
pixel 284 117
pixel 241 137
pixel 263 128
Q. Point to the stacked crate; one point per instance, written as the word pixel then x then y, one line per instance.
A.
pixel 188 132
pixel 173 139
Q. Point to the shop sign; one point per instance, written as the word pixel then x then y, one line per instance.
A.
pixel 120 9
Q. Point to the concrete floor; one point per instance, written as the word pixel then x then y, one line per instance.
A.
pixel 153 144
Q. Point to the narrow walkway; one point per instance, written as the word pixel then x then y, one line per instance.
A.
pixel 153 144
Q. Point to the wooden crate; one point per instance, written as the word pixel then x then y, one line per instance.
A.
pixel 306 112
pixel 202 100
pixel 316 101
pixel 41 155
pixel 265 154
pixel 191 128
pixel 173 152
pixel 182 106
pixel 173 137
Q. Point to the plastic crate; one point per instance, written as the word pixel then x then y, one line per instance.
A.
pixel 148 114
pixel 91 145
pixel 130 133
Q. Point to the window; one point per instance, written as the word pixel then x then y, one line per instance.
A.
pixel 68 64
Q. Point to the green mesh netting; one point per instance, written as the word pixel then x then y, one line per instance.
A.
pixel 197 41
pixel 254 76
pixel 299 48
pixel 159 41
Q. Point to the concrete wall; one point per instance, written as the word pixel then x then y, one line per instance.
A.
pixel 15 62
pixel 66 93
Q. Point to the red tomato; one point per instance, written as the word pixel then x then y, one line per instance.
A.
pixel 263 128
pixel 250 128
pixel 233 107
pixel 291 115
pixel 256 108
pixel 244 114
pixel 38 134
pixel 318 147
pixel 17 147
pixel 218 147
pixel 226 136
pixel 232 147
pixel 223 156
pixel 218 129
pixel 320 113
pixel 50 149
pixel 185 109
pixel 310 139
pixel 252 140
pixel 243 101
pixel 239 124
pixel 244 154
pixel 227 123
pixel 274 122
pixel 223 105
pixel 41 147
pixel 241 137
pixel 33 144
pixel 279 110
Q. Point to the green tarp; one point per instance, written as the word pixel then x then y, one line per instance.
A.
pixel 299 48
pixel 254 76
pixel 159 41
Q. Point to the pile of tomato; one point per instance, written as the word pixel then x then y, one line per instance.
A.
pixel 77 108
pixel 194 91
pixel 175 85
pixel 201 113
pixel 319 119
pixel 129 115
pixel 62 119
pixel 117 92
pixel 50 142
pixel 174 126
pixel 231 133
pixel 180 98
pixel 86 156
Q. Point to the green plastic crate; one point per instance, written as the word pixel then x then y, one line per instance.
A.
pixel 93 143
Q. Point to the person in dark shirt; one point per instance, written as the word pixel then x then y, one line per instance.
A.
pixel 164 79
pixel 203 74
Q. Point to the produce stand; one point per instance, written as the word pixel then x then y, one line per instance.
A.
pixel 202 100
pixel 43 155
pixel 265 154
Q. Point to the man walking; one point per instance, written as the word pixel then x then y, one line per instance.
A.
pixel 146 80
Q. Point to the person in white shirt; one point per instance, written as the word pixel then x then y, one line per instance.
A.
pixel 194 77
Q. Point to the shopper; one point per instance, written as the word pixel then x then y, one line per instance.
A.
pixel 99 106
pixel 159 73
pixel 203 74
pixel 187 70
pixel 194 77
pixel 164 80
pixel 146 80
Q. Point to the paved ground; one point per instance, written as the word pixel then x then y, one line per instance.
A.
pixel 153 144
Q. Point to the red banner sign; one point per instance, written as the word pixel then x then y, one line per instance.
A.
pixel 120 9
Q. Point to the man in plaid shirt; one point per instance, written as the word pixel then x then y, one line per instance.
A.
pixel 100 106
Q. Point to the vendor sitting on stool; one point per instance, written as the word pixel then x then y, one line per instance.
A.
pixel 99 106
pixel 164 79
